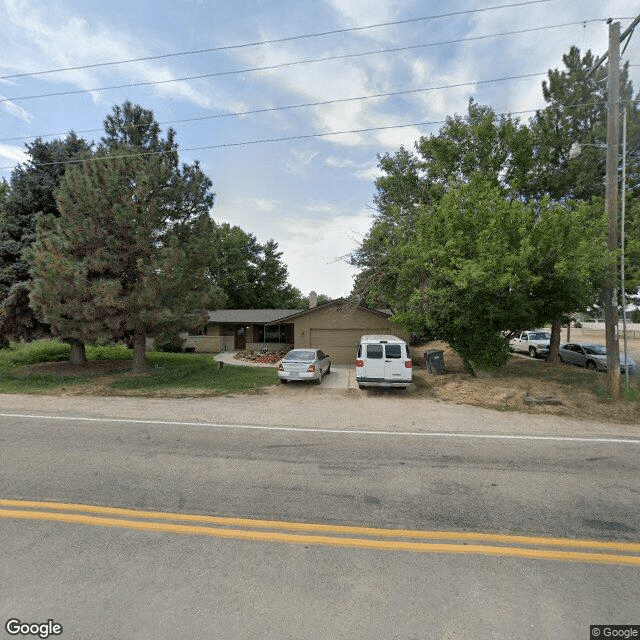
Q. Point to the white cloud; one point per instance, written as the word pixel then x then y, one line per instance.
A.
pixel 300 160
pixel 35 34
pixel 15 110
pixel 13 154
pixel 356 13
pixel 367 171
pixel 320 207
pixel 266 205
pixel 315 251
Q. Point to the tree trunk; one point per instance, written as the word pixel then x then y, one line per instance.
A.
pixel 78 352
pixel 554 347
pixel 139 343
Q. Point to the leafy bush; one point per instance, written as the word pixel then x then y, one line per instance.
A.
pixel 168 343
pixel 113 352
pixel 22 354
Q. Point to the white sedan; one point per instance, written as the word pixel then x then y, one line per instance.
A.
pixel 305 365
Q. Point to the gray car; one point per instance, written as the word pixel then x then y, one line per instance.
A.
pixel 592 356
pixel 304 364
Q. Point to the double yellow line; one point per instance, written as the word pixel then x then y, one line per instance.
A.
pixel 545 548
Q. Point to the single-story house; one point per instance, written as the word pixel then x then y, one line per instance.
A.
pixel 240 329
pixel 334 327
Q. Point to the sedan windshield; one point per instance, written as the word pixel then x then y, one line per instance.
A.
pixel 300 355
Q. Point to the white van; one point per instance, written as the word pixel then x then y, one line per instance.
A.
pixel 383 361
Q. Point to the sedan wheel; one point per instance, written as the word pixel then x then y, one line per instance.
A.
pixel 590 364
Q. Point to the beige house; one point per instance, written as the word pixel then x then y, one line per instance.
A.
pixel 334 327
pixel 240 329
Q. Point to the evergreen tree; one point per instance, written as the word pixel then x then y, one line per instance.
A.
pixel 126 256
pixel 30 192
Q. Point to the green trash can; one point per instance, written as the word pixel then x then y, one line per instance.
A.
pixel 435 361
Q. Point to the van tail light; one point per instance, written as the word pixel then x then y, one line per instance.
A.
pixel 359 363
pixel 408 364
pixel 312 368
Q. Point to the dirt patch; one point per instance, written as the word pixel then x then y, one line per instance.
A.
pixel 524 384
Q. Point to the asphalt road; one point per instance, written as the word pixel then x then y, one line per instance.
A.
pixel 481 525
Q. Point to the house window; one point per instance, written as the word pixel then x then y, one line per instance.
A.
pixel 202 331
pixel 272 334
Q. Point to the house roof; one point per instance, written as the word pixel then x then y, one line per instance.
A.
pixel 252 316
pixel 297 313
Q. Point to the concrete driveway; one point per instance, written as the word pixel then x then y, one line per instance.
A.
pixel 342 376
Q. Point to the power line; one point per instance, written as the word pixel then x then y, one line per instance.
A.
pixel 273 41
pixel 306 104
pixel 300 62
pixel 244 143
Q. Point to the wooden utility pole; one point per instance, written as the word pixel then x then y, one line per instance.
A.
pixel 611 273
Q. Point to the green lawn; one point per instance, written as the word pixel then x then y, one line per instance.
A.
pixel 166 371
pixel 191 371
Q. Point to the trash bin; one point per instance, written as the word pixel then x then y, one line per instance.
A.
pixel 435 361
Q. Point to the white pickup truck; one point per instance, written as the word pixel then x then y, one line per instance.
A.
pixel 535 343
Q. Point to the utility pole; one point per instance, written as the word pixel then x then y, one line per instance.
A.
pixel 611 204
pixel 611 272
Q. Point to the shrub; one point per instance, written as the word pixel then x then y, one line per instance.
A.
pixel 108 352
pixel 21 353
pixel 168 343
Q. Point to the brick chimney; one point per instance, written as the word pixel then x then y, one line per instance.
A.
pixel 313 300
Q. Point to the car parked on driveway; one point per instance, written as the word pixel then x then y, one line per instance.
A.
pixel 304 364
pixel 535 343
pixel 592 356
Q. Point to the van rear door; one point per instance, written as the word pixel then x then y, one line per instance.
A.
pixel 374 362
pixel 394 362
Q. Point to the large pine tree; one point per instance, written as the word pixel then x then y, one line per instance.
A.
pixel 125 258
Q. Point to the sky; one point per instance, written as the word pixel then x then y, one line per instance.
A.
pixel 248 109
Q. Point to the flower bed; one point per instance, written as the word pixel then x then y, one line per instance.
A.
pixel 263 358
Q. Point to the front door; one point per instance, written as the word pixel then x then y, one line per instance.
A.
pixel 239 338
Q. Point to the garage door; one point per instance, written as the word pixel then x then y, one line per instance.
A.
pixel 338 343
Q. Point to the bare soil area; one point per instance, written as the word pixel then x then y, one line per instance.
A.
pixel 527 385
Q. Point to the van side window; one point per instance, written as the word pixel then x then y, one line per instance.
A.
pixel 374 351
pixel 393 351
